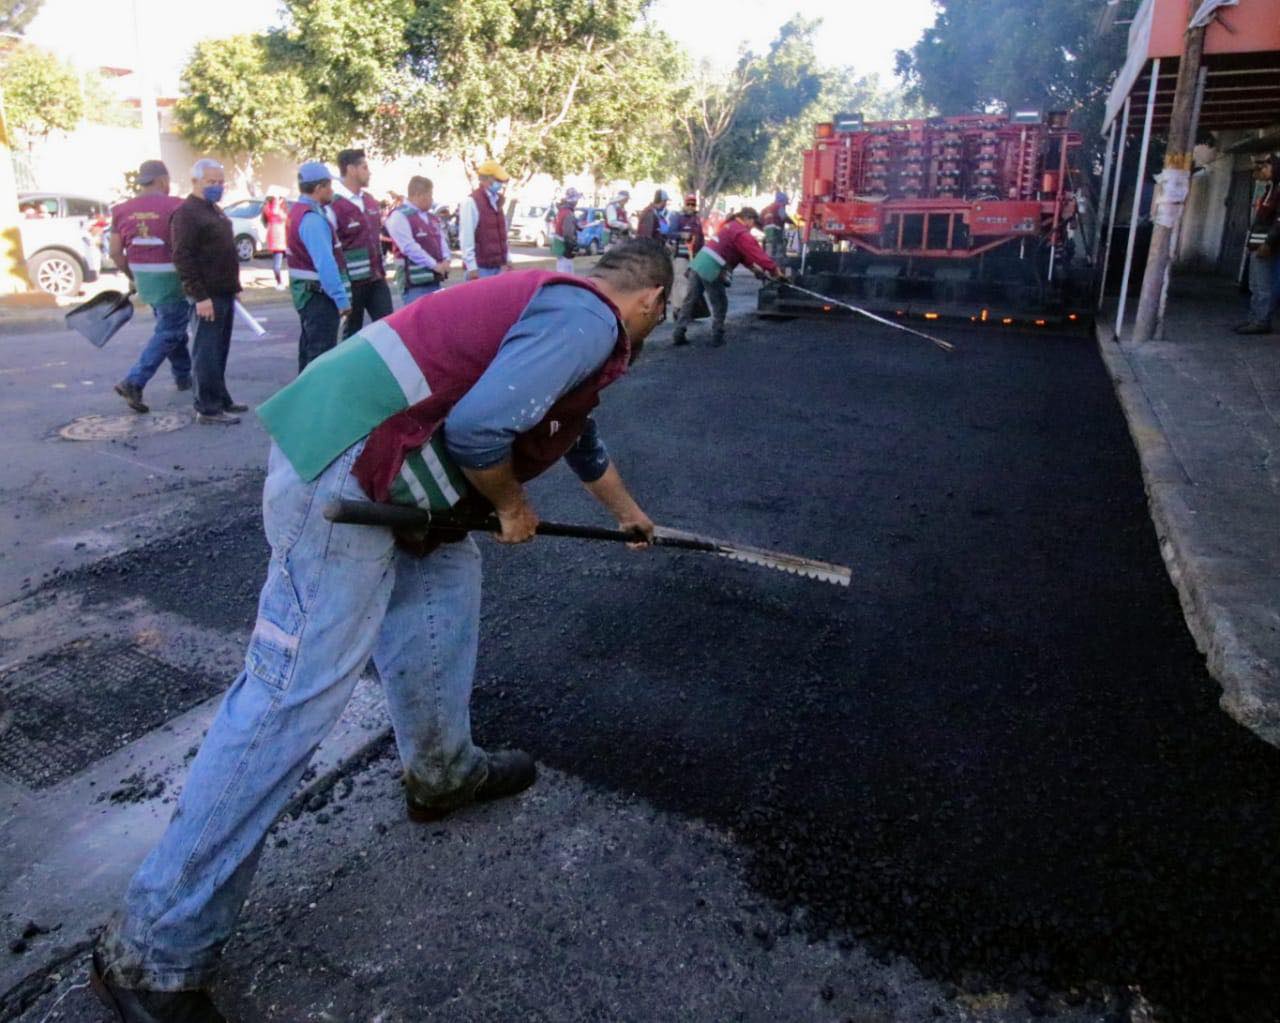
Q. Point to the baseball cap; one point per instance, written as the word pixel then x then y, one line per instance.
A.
pixel 150 170
pixel 492 169
pixel 661 195
pixel 572 195
pixel 314 171
pixel 781 197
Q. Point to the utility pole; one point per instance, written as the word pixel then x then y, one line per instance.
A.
pixel 1174 181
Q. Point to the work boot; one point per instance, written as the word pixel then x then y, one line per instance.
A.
pixel 508 772
pixel 217 417
pixel 679 337
pixel 132 395
pixel 234 406
pixel 1246 328
pixel 182 384
pixel 138 1005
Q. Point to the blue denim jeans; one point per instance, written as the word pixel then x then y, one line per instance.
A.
pixel 416 291
pixel 1264 287
pixel 334 596
pixel 169 341
pixel 491 271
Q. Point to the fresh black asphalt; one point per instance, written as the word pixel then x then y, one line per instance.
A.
pixel 998 754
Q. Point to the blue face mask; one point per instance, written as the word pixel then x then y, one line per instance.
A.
pixel 495 188
pixel 213 193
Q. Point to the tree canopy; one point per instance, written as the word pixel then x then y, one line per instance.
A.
pixel 238 99
pixel 16 15
pixel 1004 54
pixel 41 93
pixel 725 127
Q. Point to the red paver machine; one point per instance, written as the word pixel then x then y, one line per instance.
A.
pixel 973 216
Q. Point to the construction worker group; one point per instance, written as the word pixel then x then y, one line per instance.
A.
pixel 180 254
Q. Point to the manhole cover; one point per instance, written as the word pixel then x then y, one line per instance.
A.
pixel 124 426
pixel 63 710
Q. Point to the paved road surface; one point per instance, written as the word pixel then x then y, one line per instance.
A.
pixel 990 781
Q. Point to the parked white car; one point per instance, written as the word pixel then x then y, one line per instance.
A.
pixel 529 225
pixel 250 231
pixel 62 239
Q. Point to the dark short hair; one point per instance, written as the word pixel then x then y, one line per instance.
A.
pixel 419 184
pixel 349 158
pixel 635 265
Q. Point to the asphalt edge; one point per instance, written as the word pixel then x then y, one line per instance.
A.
pixel 1250 683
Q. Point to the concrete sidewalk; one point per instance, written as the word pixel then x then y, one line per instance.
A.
pixel 1204 410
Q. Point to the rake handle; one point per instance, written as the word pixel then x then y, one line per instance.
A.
pixel 372 513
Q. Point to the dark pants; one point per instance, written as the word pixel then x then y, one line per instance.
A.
pixel 209 356
pixel 417 291
pixel 168 342
pixel 372 297
pixel 319 328
pixel 717 299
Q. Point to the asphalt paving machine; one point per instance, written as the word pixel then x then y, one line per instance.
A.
pixel 973 216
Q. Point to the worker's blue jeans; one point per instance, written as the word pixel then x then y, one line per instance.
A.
pixel 1264 287
pixel 415 291
pixel 488 271
pixel 169 341
pixel 334 596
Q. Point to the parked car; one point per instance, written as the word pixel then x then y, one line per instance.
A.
pixel 63 239
pixel 591 236
pixel 528 225
pixel 250 231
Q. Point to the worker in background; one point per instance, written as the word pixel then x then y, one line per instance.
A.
pixel 775 220
pixel 564 232
pixel 653 218
pixel 482 224
pixel 517 363
pixel 1264 251
pixel 317 274
pixel 204 255
pixel 357 219
pixel 684 238
pixel 140 248
pixel 421 240
pixel 711 268
pixel 616 219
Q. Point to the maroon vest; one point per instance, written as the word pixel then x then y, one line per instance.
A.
pixel 453 336
pixel 143 225
pixel 770 217
pixel 360 227
pixel 300 265
pixel 491 232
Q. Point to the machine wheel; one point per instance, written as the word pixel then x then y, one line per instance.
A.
pixel 541 240
pixel 56 272
pixel 245 247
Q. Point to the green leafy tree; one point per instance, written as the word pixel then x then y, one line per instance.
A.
pixel 103 106
pixel 724 128
pixel 41 93
pixel 240 100
pixel 1005 54
pixel 16 15
pixel 843 91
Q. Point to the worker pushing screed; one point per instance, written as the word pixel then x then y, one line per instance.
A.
pixel 459 398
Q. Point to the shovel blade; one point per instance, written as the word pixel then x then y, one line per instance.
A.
pixel 101 317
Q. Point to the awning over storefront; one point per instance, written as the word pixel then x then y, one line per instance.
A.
pixel 1238 87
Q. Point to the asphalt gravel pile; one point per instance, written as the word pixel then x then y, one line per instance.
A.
pixel 998 754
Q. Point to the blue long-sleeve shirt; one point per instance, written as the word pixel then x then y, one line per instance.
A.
pixel 564 336
pixel 317 237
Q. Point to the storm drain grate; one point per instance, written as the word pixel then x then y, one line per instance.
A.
pixel 63 710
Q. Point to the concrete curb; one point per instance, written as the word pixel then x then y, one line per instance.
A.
pixel 1250 682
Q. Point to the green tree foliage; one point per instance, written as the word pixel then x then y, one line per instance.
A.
pixel 41 93
pixel 239 99
pixel 1005 54
pixel 541 85
pixel 725 127
pixel 16 15
pixel 843 91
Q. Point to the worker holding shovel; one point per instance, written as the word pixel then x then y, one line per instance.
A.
pixel 459 398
